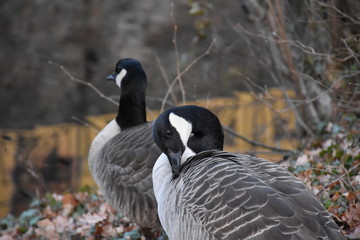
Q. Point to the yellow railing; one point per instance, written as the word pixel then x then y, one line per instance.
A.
pixel 264 119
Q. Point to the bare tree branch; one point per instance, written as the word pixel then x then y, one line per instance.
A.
pixel 328 90
pixel 174 40
pixel 32 171
pixel 72 78
pixel 337 10
pixel 85 123
pixel 289 101
pixel 295 43
pixel 165 77
pixel 255 143
pixel 339 178
pixel 354 55
pixel 184 71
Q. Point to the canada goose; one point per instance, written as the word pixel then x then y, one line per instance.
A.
pixel 122 155
pixel 205 193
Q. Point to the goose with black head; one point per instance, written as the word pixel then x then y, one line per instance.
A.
pixel 205 193
pixel 122 155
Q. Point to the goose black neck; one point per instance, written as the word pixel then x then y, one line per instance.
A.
pixel 132 110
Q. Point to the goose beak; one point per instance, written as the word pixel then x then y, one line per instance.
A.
pixel 111 77
pixel 175 162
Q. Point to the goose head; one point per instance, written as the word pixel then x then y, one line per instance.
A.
pixel 184 131
pixel 130 77
pixel 129 74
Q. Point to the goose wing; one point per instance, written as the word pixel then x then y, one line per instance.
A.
pixel 128 159
pixel 242 197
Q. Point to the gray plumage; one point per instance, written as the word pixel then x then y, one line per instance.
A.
pixel 242 197
pixel 122 155
pixel 212 194
pixel 124 174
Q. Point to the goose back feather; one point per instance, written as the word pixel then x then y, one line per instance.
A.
pixel 221 195
pixel 122 155
pixel 109 131
pixel 124 174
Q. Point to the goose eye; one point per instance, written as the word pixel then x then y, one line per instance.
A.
pixel 197 134
pixel 168 132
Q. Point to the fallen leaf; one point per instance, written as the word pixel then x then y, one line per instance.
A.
pixel 355 233
pixel 352 215
pixel 69 204
pixel 46 229
pixel 302 160
pixel 335 197
pixel 91 218
pixel 350 196
pixel 6 237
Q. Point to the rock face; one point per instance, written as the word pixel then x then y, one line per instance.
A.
pixel 87 37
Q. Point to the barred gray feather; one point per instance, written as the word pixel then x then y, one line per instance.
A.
pixel 124 174
pixel 220 195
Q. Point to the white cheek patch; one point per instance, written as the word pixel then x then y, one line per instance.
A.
pixel 182 126
pixel 120 77
pixel 187 153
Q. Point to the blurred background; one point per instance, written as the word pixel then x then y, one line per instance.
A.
pixel 275 72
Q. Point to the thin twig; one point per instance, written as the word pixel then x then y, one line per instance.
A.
pixel 338 10
pixel 354 55
pixel 184 71
pixel 72 78
pixel 324 170
pixel 85 123
pixel 174 40
pixel 339 178
pixel 296 102
pixel 255 143
pixel 165 77
pixel 348 179
pixel 289 101
pixel 31 170
pixel 342 77
pixel 159 100
pixel 295 43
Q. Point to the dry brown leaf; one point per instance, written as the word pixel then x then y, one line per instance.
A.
pixel 62 223
pixel 99 228
pixel 6 237
pixel 108 230
pixel 302 160
pixel 81 196
pixel 355 233
pixel 351 196
pixel 324 179
pixel 70 199
pixel 57 197
pixel 48 213
pixel 82 229
pixel 334 209
pixel 334 184
pixel 91 218
pixel 46 228
pixel 335 197
pixel 69 204
pixel 130 227
pixel 352 215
